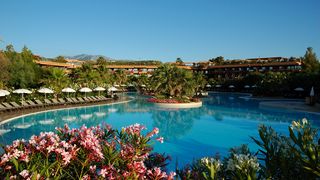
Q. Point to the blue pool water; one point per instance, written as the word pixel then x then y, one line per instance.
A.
pixel 224 121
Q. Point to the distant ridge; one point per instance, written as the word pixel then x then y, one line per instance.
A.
pixel 87 57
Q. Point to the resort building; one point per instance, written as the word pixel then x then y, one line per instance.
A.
pixel 228 69
pixel 239 68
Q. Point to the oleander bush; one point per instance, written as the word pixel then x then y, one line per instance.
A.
pixel 85 153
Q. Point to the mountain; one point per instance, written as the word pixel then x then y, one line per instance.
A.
pixel 85 57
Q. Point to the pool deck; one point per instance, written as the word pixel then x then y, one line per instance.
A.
pixel 291 105
pixel 5 116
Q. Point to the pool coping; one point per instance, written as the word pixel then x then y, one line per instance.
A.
pixel 64 108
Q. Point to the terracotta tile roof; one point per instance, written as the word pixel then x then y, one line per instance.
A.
pixel 294 63
pixel 55 64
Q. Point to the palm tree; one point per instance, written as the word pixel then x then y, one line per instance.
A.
pixel 57 79
pixel 171 81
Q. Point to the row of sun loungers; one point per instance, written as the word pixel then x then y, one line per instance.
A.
pixel 6 106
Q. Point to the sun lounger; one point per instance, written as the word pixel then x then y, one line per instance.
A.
pixel 56 102
pixel 39 103
pixel 95 99
pixel 69 100
pixel 81 100
pixel 62 101
pixel 47 101
pixel 2 108
pixel 25 104
pixel 16 105
pixel 31 103
pixel 8 106
pixel 88 99
pixel 100 98
pixel 75 100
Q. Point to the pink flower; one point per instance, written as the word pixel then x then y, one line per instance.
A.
pixel 93 168
pixel 171 175
pixel 13 177
pixel 66 157
pixel 86 177
pixel 153 132
pixel 103 172
pixel 24 173
pixel 160 139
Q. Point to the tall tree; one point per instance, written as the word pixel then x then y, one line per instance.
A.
pixel 4 70
pixel 101 61
pixel 218 60
pixel 60 59
pixel 56 79
pixel 172 81
pixel 310 62
pixel 23 71
pixel 179 61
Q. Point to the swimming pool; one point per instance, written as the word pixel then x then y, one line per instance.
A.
pixel 225 120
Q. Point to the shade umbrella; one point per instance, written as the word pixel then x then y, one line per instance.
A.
pixel 143 85
pixel 68 90
pixel 112 89
pixel 45 91
pixel 85 90
pixel 99 89
pixel 208 85
pixel 231 86
pixel 254 86
pixel 312 92
pixel 116 85
pixel 22 92
pixel 218 85
pixel 299 89
pixel 247 86
pixel 4 92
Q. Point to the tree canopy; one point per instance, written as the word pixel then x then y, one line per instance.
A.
pixel 310 61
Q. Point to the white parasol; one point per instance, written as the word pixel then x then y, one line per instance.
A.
pixel 312 92
pixel 4 92
pixel 45 91
pixel 99 89
pixel 22 92
pixel 68 90
pixel 299 89
pixel 112 89
pixel 208 85
pixel 85 90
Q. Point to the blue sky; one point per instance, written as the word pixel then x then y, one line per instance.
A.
pixel 165 29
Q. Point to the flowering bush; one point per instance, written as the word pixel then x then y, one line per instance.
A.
pixel 85 153
pixel 240 164
pixel 293 157
pixel 160 100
